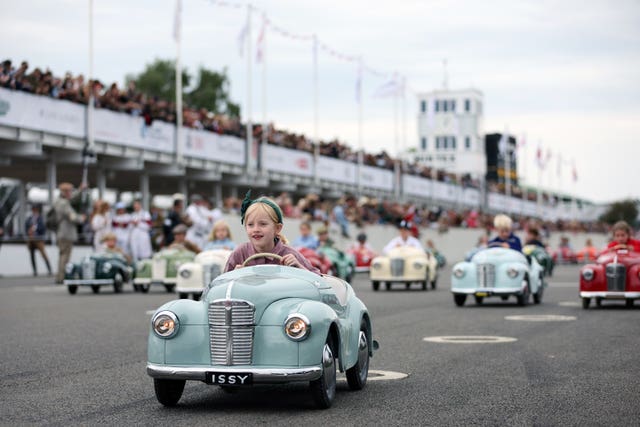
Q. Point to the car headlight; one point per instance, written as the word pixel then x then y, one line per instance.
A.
pixel 106 267
pixel 185 273
pixel 512 272
pixel 165 324
pixel 418 265
pixel 458 273
pixel 376 265
pixel 297 327
pixel 588 273
pixel 68 268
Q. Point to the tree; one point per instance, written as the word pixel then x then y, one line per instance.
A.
pixel 211 92
pixel 625 210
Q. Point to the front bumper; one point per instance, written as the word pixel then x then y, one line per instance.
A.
pixel 189 289
pixel 149 281
pixel 488 291
pixel 88 282
pixel 260 375
pixel 609 294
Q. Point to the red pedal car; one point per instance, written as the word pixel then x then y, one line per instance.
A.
pixel 318 260
pixel 615 275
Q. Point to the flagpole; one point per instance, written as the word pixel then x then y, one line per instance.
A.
pixel 507 183
pixel 316 151
pixel 178 36
pixel 539 195
pixel 396 140
pixel 90 108
pixel 250 148
pixel 265 125
pixel 360 115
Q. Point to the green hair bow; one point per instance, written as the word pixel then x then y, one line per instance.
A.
pixel 246 202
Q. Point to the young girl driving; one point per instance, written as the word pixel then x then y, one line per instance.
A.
pixel 262 220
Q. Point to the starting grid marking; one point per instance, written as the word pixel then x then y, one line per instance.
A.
pixel 541 318
pixel 470 339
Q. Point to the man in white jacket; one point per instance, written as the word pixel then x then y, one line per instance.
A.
pixel 202 221
pixel 140 237
pixel 404 239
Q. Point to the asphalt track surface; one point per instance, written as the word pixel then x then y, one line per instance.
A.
pixel 80 360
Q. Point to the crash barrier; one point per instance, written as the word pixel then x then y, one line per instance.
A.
pixel 27 111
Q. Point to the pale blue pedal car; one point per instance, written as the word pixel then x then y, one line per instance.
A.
pixel 498 272
pixel 264 324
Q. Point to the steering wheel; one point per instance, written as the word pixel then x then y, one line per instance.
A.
pixel 495 245
pixel 262 255
pixel 619 246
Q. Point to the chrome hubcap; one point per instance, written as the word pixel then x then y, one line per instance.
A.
pixel 363 355
pixel 329 370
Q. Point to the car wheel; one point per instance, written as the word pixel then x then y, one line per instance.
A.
pixel 118 280
pixel 504 297
pixel 434 283
pixel 72 289
pixel 586 302
pixel 375 285
pixel 598 302
pixel 357 375
pixel 136 288
pixel 537 297
pixel 424 286
pixel 183 295
pixel 168 392
pixel 478 299
pixel 459 299
pixel 323 390
pixel 196 297
pixel 145 288
pixel 523 298
pixel 629 302
pixel 387 286
pixel 95 288
pixel 170 288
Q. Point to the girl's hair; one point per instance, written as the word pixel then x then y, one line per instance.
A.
pixel 621 225
pixel 502 221
pixel 221 223
pixel 267 206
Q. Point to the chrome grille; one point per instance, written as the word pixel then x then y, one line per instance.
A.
pixel 158 268
pixel 486 275
pixel 616 276
pixel 231 326
pixel 397 267
pixel 88 269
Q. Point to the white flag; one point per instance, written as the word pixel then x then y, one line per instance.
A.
pixel 391 88
pixel 242 35
pixel 260 42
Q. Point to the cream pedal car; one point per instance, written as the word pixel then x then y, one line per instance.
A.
pixel 194 276
pixel 404 264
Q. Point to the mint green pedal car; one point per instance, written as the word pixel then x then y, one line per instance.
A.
pixel 264 324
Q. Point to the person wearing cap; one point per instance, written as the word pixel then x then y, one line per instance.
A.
pixel 360 244
pixel 323 237
pixel 180 240
pixel 505 238
pixel 36 230
pixel 305 239
pixel 68 221
pixel 262 220
pixel 120 226
pixel 404 239
pixel 175 217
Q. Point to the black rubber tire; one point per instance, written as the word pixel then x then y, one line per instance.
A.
pixel 478 299
pixel 629 302
pixel 375 285
pixel 434 284
pixel 504 297
pixel 523 298
pixel 136 288
pixel 72 289
pixel 387 286
pixel 323 390
pixel 95 289
pixel 168 392
pixel 183 295
pixel 598 302
pixel 357 375
pixel 145 288
pixel 170 288
pixel 118 281
pixel 537 297
pixel 459 299
pixel 586 302
pixel 424 286
pixel 197 296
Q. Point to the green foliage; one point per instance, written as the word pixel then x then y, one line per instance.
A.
pixel 211 91
pixel 625 210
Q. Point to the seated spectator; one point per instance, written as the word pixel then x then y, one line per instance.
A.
pixel 505 238
pixel 306 239
pixel 404 239
pixel 220 237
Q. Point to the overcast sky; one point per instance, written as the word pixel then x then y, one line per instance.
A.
pixel 563 73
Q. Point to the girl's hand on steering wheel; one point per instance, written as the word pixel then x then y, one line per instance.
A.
pixel 291 261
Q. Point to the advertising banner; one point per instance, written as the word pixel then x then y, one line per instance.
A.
pixel 212 146
pixel 285 160
pixel 416 186
pixel 335 170
pixel 377 178
pixel 24 110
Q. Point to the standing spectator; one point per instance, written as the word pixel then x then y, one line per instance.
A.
pixel 139 232
pixel 202 221
pixel 36 230
pixel 175 217
pixel 100 223
pixel 120 225
pixel 340 214
pixel 68 220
